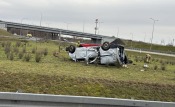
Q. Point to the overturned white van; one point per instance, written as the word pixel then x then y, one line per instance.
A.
pixel 107 53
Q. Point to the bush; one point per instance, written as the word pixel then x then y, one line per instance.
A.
pixel 163 67
pixel 7 49
pixel 33 50
pixel 155 67
pixel 153 59
pixel 27 57
pixel 24 49
pixel 23 40
pixel 45 52
pixel 3 44
pixel 11 56
pixel 38 57
pixel 142 59
pixel 20 55
pixel 8 55
pixel 136 58
pixel 18 44
pixel 161 61
pixel 157 60
pixel 16 50
pixel 8 44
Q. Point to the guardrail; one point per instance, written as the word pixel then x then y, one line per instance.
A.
pixel 9 99
pixel 157 51
pixel 151 52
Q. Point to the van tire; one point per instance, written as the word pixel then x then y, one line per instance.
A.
pixel 105 46
pixel 71 49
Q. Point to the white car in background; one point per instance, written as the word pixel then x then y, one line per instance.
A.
pixel 103 54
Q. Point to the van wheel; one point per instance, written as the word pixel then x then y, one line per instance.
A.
pixel 105 46
pixel 71 49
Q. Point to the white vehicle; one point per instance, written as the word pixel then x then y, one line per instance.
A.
pixel 104 54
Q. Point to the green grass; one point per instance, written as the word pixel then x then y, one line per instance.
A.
pixel 6 36
pixel 4 33
pixel 66 85
pixel 142 45
pixel 60 75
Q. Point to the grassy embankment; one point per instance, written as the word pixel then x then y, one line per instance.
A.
pixel 142 45
pixel 59 75
pixel 4 33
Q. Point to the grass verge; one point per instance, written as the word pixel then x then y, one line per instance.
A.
pixel 60 75
pixel 66 85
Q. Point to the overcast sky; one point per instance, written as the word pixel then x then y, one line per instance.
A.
pixel 125 17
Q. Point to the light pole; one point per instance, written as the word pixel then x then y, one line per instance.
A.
pixel 152 31
pixel 96 22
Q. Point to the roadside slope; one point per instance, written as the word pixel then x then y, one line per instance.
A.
pixel 4 33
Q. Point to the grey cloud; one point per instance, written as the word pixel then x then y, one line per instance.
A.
pixel 129 15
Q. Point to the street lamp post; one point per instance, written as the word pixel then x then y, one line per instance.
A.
pixel 96 22
pixel 152 31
